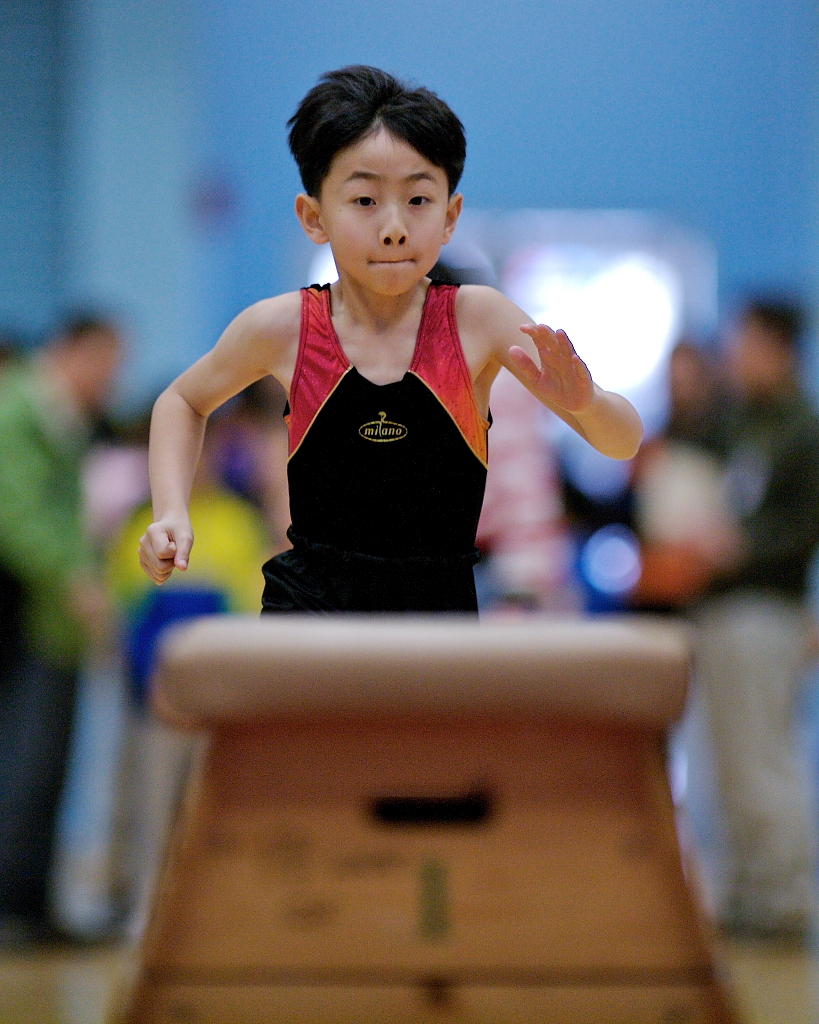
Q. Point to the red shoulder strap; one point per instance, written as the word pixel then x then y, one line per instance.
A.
pixel 320 363
pixel 441 364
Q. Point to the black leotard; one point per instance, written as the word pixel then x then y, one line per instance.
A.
pixel 386 481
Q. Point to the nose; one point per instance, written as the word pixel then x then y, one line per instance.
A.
pixel 393 229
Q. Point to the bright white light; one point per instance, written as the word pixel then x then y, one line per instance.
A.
pixel 323 267
pixel 620 309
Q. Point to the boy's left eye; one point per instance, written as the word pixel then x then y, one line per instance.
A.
pixel 418 200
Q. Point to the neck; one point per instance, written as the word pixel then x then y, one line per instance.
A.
pixel 377 313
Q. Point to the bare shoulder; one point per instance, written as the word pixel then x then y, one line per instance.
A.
pixel 486 311
pixel 276 319
pixel 262 340
pixel 488 323
pixel 265 335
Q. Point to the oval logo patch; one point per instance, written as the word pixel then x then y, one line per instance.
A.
pixel 383 430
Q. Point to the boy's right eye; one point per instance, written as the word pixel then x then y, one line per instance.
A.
pixel 365 201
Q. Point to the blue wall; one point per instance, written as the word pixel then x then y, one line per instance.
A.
pixel 175 186
pixel 703 111
pixel 29 164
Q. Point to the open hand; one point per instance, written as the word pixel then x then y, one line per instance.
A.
pixel 562 379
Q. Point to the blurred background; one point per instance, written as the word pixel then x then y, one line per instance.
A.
pixel 635 172
pixel 145 163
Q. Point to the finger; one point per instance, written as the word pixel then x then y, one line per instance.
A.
pixel 565 342
pixel 159 541
pixel 549 344
pixel 159 572
pixel 182 551
pixel 540 334
pixel 158 569
pixel 563 337
pixel 559 345
pixel 581 371
pixel 169 544
pixel 524 364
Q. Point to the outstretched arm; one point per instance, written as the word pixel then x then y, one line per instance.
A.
pixel 559 378
pixel 545 362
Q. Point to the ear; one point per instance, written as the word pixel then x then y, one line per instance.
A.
pixel 453 212
pixel 308 211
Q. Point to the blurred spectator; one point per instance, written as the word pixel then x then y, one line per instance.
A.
pixel 232 535
pixel 752 629
pixel 521 531
pixel 47 409
pixel 116 477
pixel 248 441
pixel 11 594
pixel 679 501
pixel 10 350
pixel 696 386
pixel 90 897
pixel 522 536
pixel 598 500
pixel 233 540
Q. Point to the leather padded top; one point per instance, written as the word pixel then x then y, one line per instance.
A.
pixel 233 669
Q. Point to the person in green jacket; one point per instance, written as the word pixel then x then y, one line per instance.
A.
pixel 47 408
pixel 753 629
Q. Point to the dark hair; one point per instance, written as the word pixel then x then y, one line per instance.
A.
pixel 355 101
pixel 78 325
pixel 783 319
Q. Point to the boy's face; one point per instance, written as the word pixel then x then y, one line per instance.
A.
pixel 386 212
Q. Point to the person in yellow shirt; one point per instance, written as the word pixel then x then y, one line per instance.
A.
pixel 226 579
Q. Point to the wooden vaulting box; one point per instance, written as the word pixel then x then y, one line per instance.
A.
pixel 423 820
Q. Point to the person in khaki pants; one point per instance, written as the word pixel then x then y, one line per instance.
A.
pixel 753 632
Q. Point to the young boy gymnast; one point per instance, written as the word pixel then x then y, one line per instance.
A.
pixel 388 373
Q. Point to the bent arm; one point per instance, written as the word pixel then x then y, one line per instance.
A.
pixel 260 341
pixel 177 434
pixel 545 362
